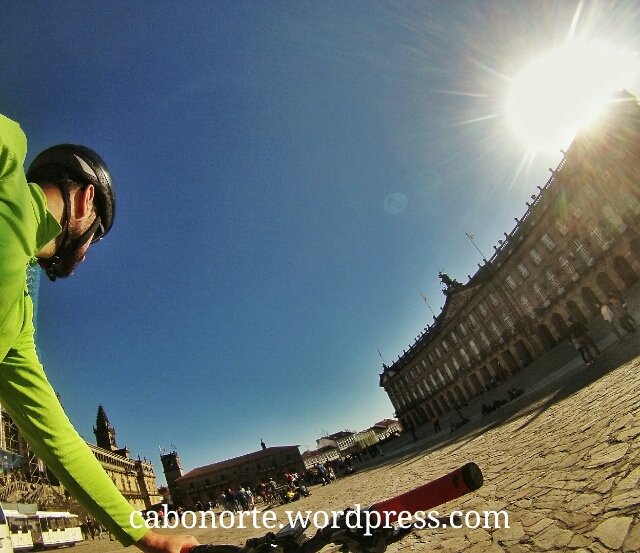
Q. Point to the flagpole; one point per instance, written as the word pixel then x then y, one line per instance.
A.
pixel 425 301
pixel 470 237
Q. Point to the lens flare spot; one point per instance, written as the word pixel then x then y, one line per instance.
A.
pixel 395 203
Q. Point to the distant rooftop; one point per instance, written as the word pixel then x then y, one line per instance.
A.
pixel 229 463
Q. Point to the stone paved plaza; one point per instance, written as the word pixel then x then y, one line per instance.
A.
pixel 563 461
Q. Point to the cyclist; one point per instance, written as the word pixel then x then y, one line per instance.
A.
pixel 68 205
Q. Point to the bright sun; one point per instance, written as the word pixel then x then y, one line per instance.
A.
pixel 565 90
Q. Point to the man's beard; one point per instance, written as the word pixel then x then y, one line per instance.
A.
pixel 69 260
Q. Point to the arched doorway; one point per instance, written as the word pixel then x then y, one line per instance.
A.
pixel 523 353
pixel 430 411
pixel 561 327
pixel 605 284
pixel 625 272
pixel 590 300
pixel 415 420
pixel 451 398
pixel 462 399
pixel 437 406
pixel 575 312
pixel 510 361
pixel 445 404
pixel 475 382
pixel 467 388
pixel 546 338
pixel 486 376
pixel 498 369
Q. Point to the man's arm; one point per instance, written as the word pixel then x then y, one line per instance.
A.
pixel 164 543
pixel 29 399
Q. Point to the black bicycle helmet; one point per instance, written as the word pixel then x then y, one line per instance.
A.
pixel 83 166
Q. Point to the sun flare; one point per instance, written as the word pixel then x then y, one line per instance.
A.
pixel 565 90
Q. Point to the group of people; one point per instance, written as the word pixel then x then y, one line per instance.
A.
pixel 580 334
pixel 491 407
pixel 327 472
pixel 323 473
pixel 514 392
pixel 617 308
pixel 293 489
pixel 91 527
pixel 237 500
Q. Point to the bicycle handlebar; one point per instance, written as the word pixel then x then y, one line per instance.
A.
pixel 467 478
pixel 457 483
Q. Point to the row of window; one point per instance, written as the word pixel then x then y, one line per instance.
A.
pixel 441 376
pixel 405 390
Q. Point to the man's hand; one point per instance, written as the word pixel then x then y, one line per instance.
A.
pixel 153 542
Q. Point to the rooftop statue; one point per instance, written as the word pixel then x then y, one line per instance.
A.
pixel 447 280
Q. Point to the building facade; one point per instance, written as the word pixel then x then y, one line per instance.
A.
pixel 343 440
pixel 386 429
pixel 134 478
pixel 576 244
pixel 25 478
pixel 320 456
pixel 206 483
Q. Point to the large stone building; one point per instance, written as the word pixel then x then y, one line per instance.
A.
pixel 25 478
pixel 204 484
pixel 135 478
pixel 320 456
pixel 576 243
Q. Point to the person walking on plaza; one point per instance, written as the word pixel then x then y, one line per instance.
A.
pixel 624 318
pixel 51 216
pixel 251 502
pixel 413 433
pixel 609 316
pixel 580 333
pixel 84 528
pixel 436 424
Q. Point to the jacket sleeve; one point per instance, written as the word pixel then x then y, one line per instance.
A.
pixel 32 404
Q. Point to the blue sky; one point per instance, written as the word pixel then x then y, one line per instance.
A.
pixel 291 177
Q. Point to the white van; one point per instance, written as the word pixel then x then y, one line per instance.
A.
pixel 53 529
pixel 19 531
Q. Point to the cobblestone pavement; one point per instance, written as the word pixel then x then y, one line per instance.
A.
pixel 563 461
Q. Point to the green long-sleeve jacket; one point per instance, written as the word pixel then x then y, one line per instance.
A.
pixel 25 227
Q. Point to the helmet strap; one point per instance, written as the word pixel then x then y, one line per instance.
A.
pixel 67 245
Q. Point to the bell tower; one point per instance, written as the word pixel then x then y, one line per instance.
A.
pixel 104 432
pixel 171 467
pixel 172 471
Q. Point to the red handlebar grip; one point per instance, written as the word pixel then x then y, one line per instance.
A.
pixel 450 486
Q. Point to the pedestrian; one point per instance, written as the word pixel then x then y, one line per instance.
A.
pixel 624 318
pixel 579 334
pixel 51 215
pixel 84 528
pixel 241 496
pixel 251 503
pixel 436 423
pixel 413 433
pixel 232 500
pixel 608 315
